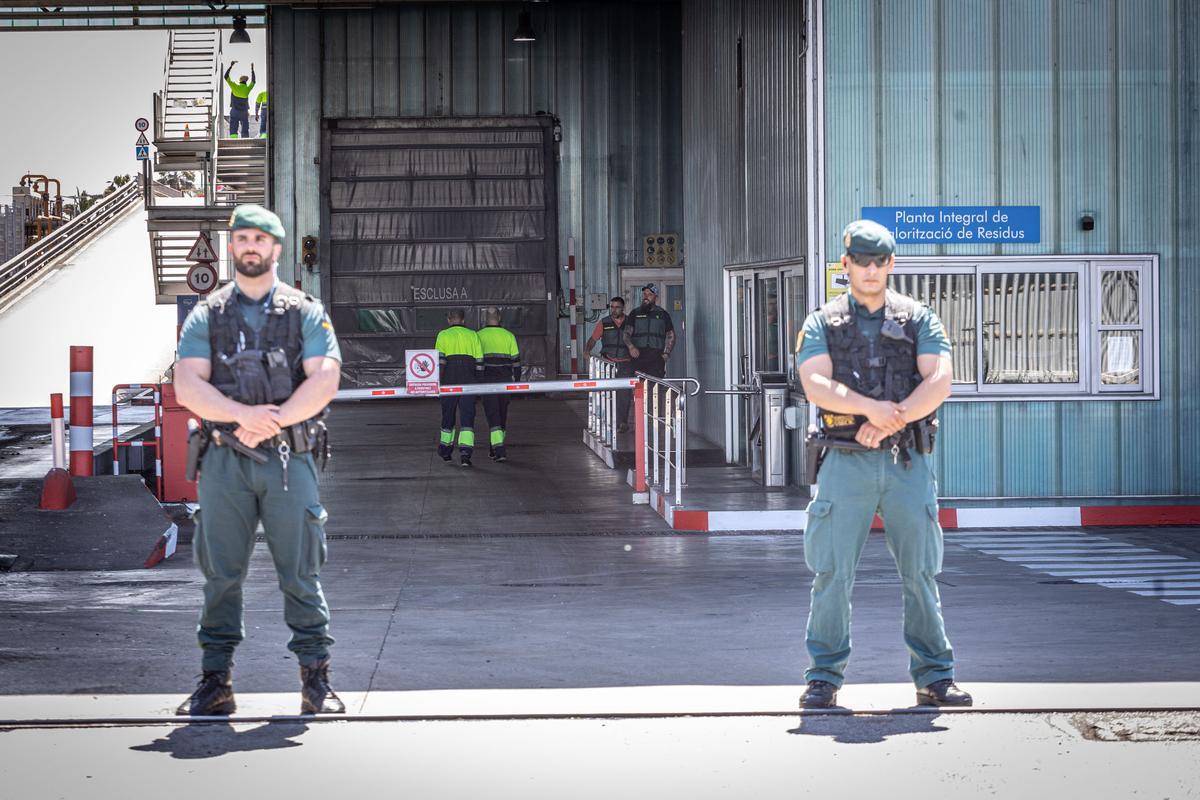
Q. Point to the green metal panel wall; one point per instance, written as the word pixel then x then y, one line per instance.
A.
pixel 609 71
pixel 1070 105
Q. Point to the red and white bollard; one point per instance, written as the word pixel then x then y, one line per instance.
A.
pixel 58 492
pixel 81 410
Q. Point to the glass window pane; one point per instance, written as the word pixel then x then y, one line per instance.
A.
pixel 766 345
pixel 1119 297
pixel 793 289
pixel 1030 327
pixel 952 297
pixel 1120 357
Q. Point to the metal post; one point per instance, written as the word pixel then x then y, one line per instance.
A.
pixel 654 420
pixel 639 438
pixel 679 449
pixel 667 443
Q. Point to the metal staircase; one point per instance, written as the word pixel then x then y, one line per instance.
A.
pixel 190 135
pixel 241 171
pixel 186 111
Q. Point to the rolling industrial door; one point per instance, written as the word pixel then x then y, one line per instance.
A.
pixel 423 215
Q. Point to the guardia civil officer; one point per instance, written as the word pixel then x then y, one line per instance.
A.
pixel 649 334
pixel 259 362
pixel 877 363
pixel 608 332
pixel 501 364
pixel 461 363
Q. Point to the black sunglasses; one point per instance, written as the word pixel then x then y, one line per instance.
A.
pixel 866 259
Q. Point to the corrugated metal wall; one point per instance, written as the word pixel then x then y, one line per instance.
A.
pixel 1070 105
pixel 609 71
pixel 744 162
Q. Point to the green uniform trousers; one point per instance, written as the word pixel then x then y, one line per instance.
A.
pixel 235 493
pixel 851 488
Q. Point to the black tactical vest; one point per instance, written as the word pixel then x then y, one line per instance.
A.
pixel 649 328
pixel 278 346
pixel 884 368
pixel 612 344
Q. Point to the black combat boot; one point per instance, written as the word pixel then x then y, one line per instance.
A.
pixel 316 695
pixel 465 459
pixel 501 453
pixel 943 693
pixel 212 698
pixel 819 694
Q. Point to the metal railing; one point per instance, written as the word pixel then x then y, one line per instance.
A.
pixel 661 436
pixel 19 272
pixel 602 406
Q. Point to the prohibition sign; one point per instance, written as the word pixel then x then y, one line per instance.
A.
pixel 421 367
pixel 201 278
pixel 141 124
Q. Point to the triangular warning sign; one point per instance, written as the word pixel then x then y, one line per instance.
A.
pixel 202 250
pixel 143 141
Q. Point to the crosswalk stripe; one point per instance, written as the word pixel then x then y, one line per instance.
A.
pixel 1119 559
pixel 1063 551
pixel 1166 592
pixel 1087 559
pixel 1092 571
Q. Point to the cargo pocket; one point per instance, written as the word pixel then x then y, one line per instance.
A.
pixel 818 530
pixel 316 549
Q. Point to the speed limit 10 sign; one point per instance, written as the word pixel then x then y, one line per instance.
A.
pixel 202 278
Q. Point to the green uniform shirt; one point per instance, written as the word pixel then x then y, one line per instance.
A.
pixel 316 329
pixel 497 341
pixel 462 355
pixel 240 90
pixel 261 100
pixel 931 336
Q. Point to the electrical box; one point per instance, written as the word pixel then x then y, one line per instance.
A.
pixel 599 302
pixel 660 250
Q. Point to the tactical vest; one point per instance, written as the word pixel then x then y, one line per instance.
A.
pixel 884 368
pixel 612 343
pixel 649 328
pixel 279 346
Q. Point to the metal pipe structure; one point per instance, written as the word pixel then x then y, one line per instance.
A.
pixel 534 387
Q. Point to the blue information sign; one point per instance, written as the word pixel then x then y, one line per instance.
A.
pixel 143 152
pixel 959 224
pixel 184 303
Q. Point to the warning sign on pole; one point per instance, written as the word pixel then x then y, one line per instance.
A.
pixel 142 141
pixel 202 250
pixel 423 373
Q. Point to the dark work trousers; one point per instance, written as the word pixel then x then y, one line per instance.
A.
pixel 262 123
pixel 239 122
pixel 651 362
pixel 624 399
pixel 495 408
pixel 463 407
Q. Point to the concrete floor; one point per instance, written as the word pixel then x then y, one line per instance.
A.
pixel 638 663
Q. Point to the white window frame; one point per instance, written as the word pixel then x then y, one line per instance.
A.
pixel 1089 268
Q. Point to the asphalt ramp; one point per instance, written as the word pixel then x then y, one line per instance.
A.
pixel 114 524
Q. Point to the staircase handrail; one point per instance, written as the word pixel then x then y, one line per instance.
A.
pixel 31 262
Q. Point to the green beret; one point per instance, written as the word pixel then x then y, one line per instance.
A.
pixel 864 237
pixel 255 216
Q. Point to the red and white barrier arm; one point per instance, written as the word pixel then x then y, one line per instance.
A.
pixel 393 392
